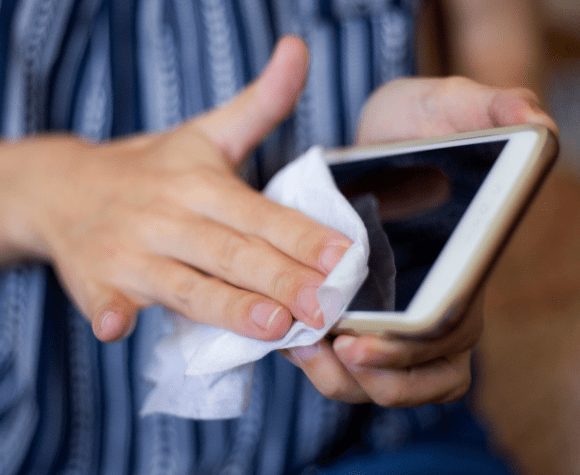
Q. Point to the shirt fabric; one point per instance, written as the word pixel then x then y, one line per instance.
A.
pixel 108 68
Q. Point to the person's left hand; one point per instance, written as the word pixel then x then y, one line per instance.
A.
pixel 395 371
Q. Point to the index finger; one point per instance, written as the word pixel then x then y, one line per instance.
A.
pixel 292 232
pixel 397 353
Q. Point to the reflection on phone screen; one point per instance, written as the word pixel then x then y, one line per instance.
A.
pixel 421 197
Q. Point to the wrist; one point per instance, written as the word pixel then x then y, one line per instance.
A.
pixel 29 170
pixel 18 239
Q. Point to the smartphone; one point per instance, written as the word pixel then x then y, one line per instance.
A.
pixel 447 205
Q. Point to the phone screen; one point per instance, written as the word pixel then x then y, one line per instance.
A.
pixel 417 200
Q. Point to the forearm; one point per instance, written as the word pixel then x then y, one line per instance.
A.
pixel 11 245
pixel 496 42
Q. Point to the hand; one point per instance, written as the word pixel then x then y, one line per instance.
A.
pixel 163 219
pixel 391 370
pixel 408 109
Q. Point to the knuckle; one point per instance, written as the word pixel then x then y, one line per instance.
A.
pixel 393 395
pixel 149 269
pixel 409 357
pixel 150 225
pixel 111 251
pixel 230 250
pixel 205 184
pixel 239 307
pixel 286 285
pixel 192 182
pixel 365 355
pixel 145 276
pixel 454 82
pixel 168 182
pixel 115 263
pixel 402 355
pixel 309 244
pixel 184 294
pixel 405 354
pixel 258 244
pixel 236 313
pixel 331 389
pixel 464 383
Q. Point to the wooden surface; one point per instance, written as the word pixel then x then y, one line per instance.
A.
pixel 529 389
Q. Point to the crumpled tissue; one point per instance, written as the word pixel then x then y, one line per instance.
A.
pixel 204 372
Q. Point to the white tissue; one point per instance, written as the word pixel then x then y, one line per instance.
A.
pixel 204 372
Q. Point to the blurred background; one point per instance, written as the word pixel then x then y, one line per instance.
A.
pixel 529 360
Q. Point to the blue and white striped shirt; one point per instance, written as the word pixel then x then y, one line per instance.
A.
pixel 106 68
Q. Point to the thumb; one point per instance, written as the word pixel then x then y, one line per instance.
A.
pixel 113 316
pixel 241 124
pixel 519 106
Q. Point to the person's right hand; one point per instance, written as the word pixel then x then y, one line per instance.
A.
pixel 163 219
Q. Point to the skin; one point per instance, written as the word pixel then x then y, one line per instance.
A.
pixel 163 219
pixel 496 42
pixel 394 371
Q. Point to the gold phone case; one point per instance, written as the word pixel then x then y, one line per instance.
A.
pixel 520 196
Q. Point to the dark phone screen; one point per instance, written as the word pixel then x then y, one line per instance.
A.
pixel 420 199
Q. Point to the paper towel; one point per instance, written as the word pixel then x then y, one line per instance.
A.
pixel 204 372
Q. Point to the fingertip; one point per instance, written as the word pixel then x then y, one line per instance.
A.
pixel 265 320
pixel 310 312
pixel 282 324
pixel 343 343
pixel 273 322
pixel 536 115
pixel 285 75
pixel 332 254
pixel 112 325
pixel 517 107
pixel 237 127
pixel 294 45
pixel 544 120
pixel 305 354
pixel 345 348
pixel 288 355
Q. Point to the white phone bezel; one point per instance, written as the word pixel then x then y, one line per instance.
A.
pixel 479 234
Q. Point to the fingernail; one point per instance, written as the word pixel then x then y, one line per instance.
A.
pixel 341 345
pixel 111 326
pixel 343 342
pixel 264 314
pixel 309 305
pixel 305 353
pixel 331 256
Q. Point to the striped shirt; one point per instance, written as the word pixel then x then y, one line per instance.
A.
pixel 107 68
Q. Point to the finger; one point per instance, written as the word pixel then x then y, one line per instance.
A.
pixel 244 261
pixel 442 380
pixel 241 124
pixel 519 106
pixel 113 315
pixel 295 234
pixel 397 353
pixel 208 300
pixel 468 106
pixel 326 372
